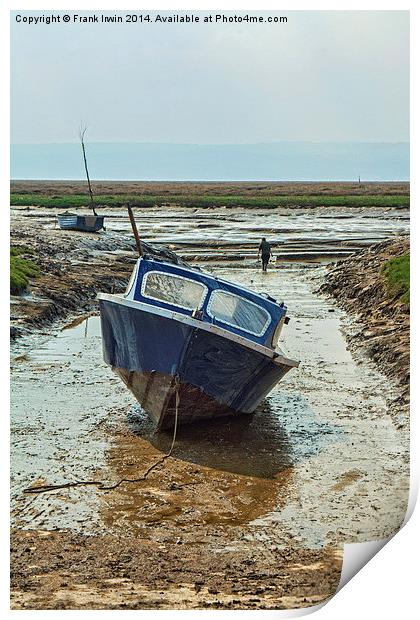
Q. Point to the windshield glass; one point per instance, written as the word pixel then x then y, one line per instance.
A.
pixel 238 312
pixel 174 290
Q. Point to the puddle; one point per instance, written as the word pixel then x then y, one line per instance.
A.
pixel 320 460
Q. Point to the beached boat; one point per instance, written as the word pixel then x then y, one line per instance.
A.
pixel 190 345
pixel 84 223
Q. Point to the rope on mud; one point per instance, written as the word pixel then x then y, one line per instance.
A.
pixel 102 486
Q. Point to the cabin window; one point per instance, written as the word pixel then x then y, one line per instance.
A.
pixel 238 312
pixel 174 290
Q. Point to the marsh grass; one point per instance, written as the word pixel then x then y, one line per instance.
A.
pixel 21 269
pixel 397 274
pixel 209 201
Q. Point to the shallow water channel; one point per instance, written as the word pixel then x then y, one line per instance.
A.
pixel 318 464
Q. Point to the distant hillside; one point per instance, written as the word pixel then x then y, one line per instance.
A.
pixel 292 161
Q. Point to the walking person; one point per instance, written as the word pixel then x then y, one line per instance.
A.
pixel 265 251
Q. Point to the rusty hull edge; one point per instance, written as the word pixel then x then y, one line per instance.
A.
pixel 156 393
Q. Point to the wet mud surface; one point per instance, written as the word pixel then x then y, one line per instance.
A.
pixel 247 513
pixel 220 233
pixel 319 464
pixel 67 571
pixel 74 266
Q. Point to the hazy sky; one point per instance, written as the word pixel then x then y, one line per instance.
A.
pixel 323 76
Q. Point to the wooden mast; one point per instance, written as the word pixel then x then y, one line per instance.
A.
pixel 135 231
pixel 82 135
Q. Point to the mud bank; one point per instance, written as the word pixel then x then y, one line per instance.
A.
pixel 383 330
pixel 54 570
pixel 73 268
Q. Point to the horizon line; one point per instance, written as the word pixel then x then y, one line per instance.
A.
pixel 218 143
pixel 81 180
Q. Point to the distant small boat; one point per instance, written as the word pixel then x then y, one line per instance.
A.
pixel 192 346
pixel 85 223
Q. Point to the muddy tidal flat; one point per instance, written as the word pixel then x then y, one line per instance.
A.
pixel 247 513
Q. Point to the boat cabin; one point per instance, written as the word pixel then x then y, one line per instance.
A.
pixel 257 317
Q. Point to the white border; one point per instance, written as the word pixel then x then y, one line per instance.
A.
pixel 387 587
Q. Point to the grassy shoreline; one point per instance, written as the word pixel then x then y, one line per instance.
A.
pixel 21 269
pixel 397 274
pixel 209 201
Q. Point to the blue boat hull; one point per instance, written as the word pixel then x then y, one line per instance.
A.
pixel 84 223
pixel 157 356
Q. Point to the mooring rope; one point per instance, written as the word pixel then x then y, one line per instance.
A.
pixel 102 486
